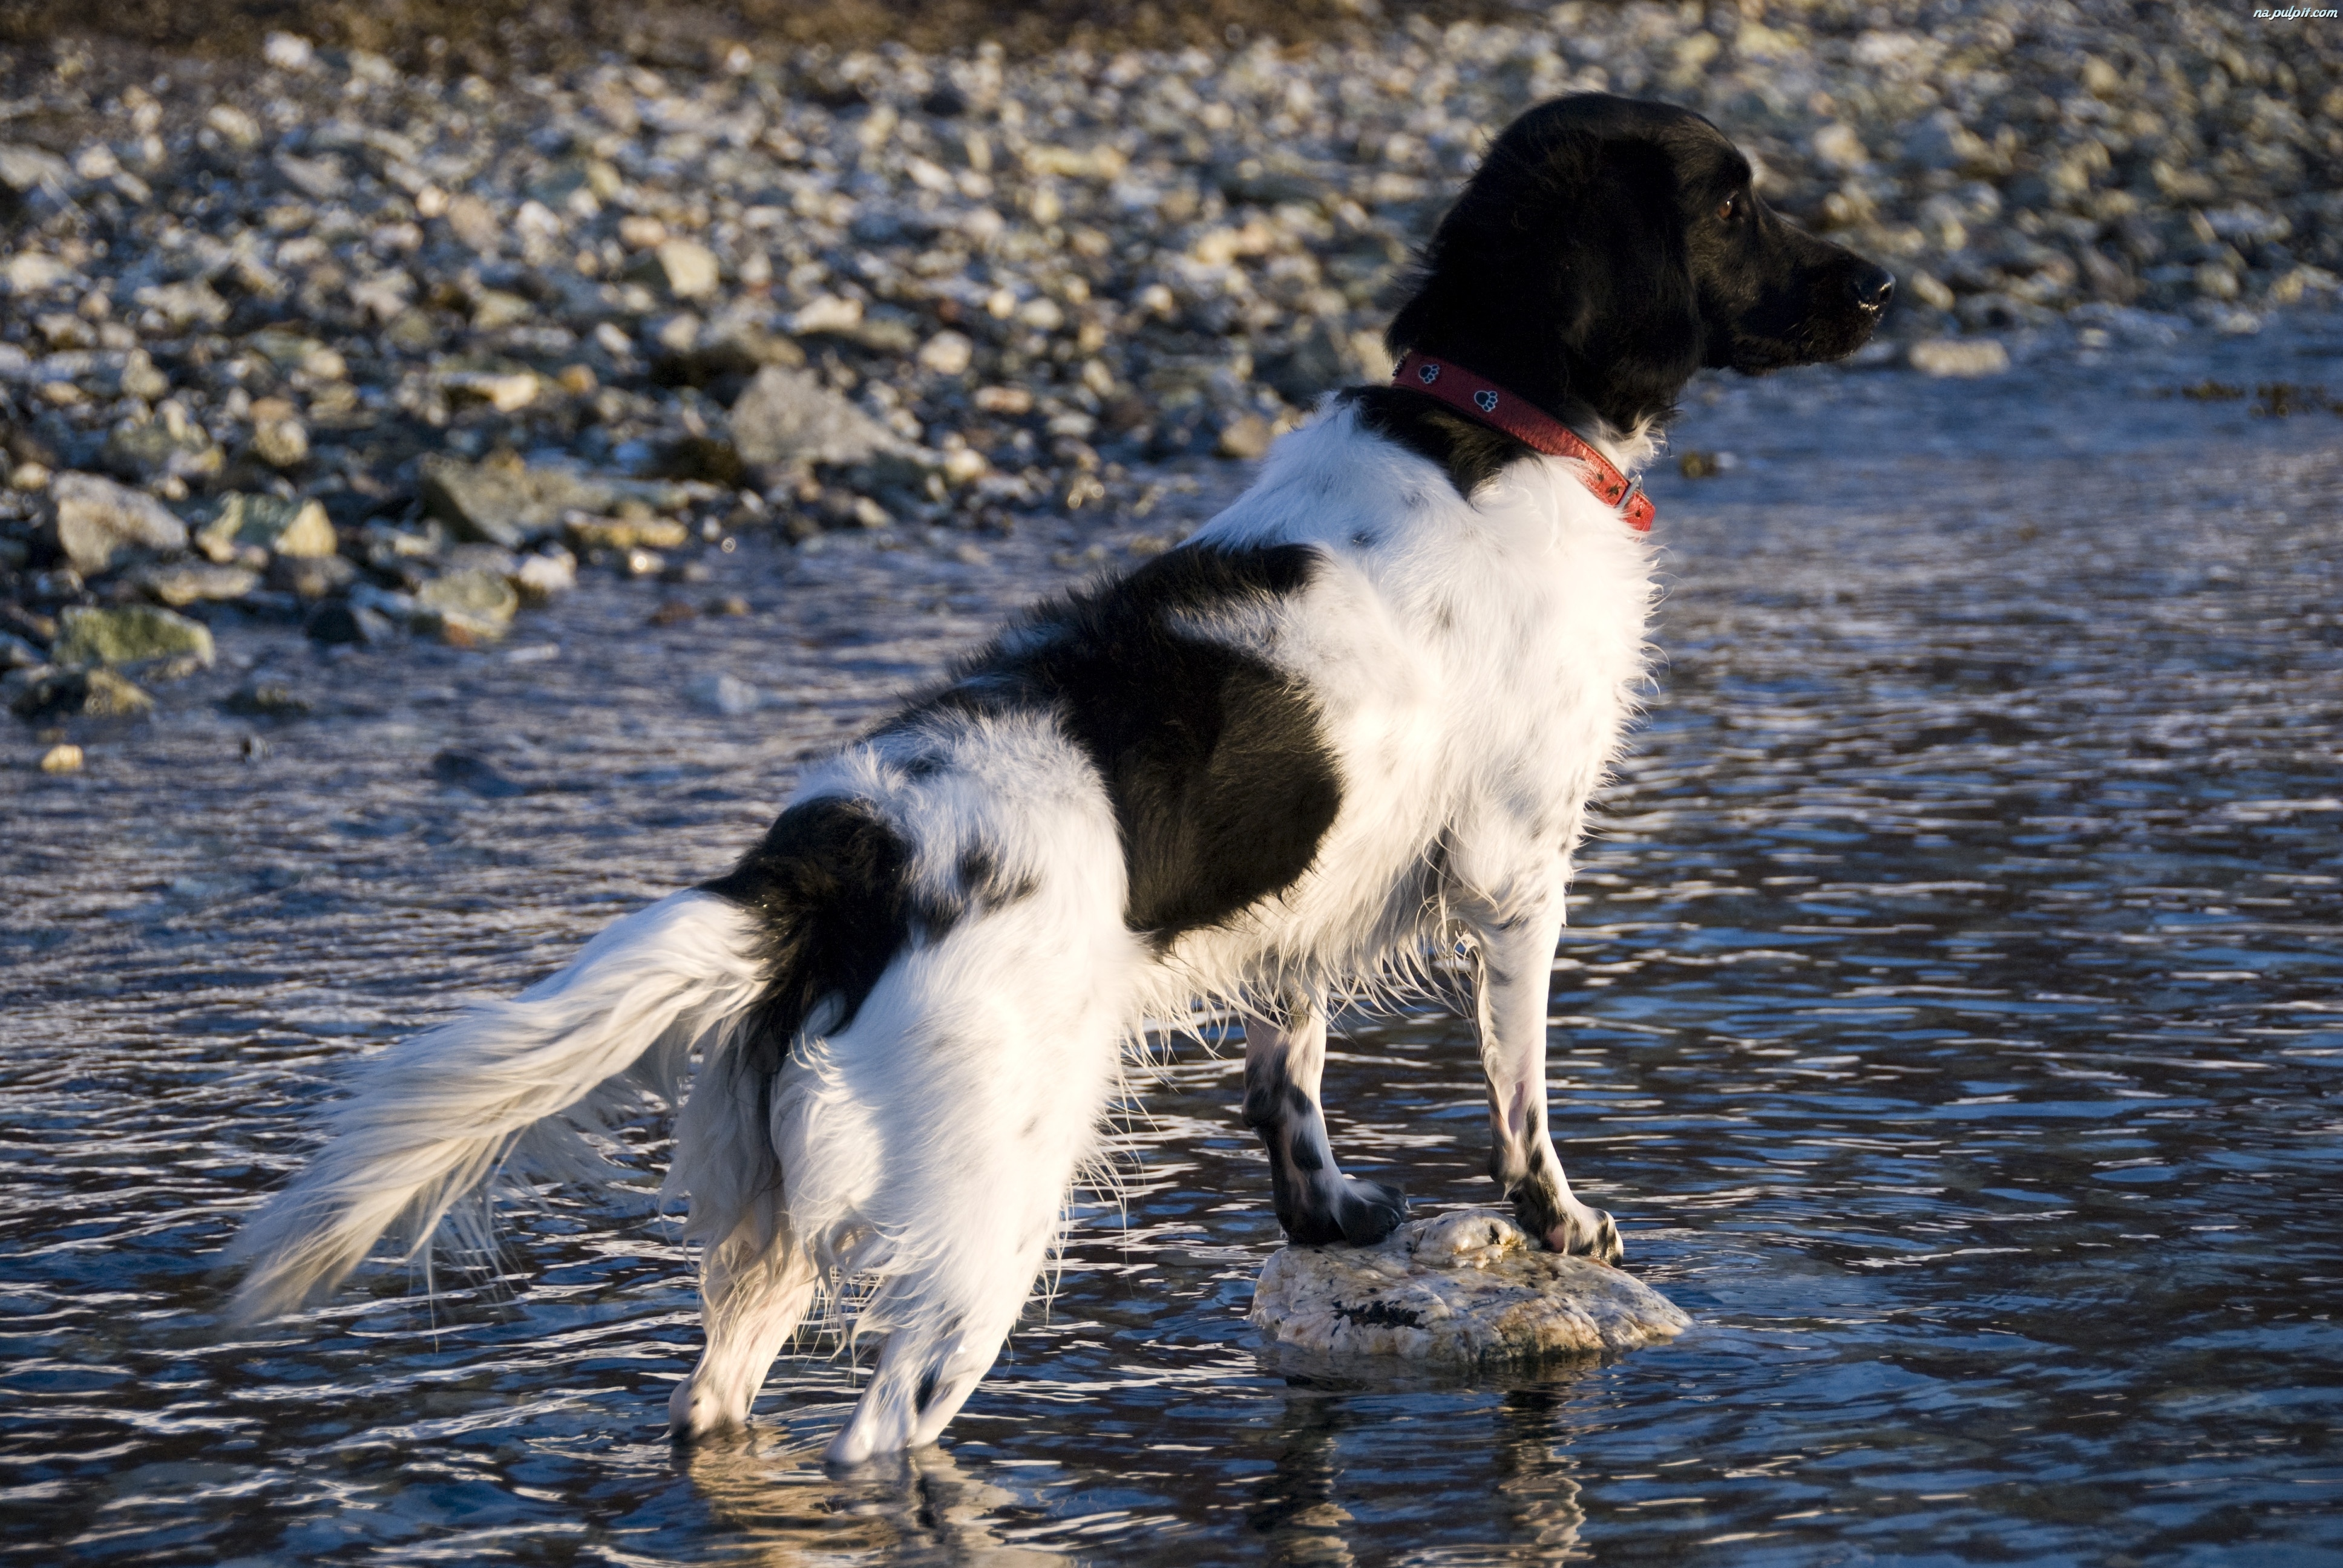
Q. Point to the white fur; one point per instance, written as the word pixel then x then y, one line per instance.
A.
pixel 1476 665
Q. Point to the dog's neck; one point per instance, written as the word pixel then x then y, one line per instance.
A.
pixel 1625 425
pixel 1472 452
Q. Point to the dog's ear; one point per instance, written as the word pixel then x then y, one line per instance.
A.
pixel 1564 270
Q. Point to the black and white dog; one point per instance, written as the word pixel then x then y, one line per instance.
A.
pixel 1354 720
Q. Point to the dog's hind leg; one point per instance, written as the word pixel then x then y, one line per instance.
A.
pixel 1315 1201
pixel 1516 967
pixel 752 1298
pixel 932 1144
pixel 756 1280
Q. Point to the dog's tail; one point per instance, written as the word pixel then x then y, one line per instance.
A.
pixel 432 1119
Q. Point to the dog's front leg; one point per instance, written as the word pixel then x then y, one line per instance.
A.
pixel 1516 965
pixel 1315 1201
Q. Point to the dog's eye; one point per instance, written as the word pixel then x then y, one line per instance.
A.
pixel 1730 208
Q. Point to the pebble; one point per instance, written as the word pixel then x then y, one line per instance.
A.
pixel 279 526
pixel 1959 356
pixel 93 518
pixel 161 640
pixel 466 608
pixel 53 693
pixel 874 287
pixel 339 622
pixel 181 583
pixel 1464 1289
pixel 62 758
pixel 788 416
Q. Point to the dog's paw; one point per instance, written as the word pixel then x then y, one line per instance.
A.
pixel 1587 1233
pixel 1369 1211
pixel 694 1412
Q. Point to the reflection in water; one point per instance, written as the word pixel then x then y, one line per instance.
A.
pixel 1952 1016
pixel 776 1505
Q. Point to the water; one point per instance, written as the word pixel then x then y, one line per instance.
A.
pixel 1953 1016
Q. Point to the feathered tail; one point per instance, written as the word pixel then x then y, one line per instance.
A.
pixel 432 1119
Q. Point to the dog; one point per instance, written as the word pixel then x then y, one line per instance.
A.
pixel 1352 723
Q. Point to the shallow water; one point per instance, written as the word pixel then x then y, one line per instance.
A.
pixel 1953 1016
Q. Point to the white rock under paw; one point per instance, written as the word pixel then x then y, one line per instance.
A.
pixel 1462 1289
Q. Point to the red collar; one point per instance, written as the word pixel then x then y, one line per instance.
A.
pixel 1491 404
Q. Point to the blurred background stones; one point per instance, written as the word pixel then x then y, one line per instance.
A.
pixel 600 287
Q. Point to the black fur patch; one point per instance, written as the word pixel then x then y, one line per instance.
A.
pixel 1469 454
pixel 830 882
pixel 1220 777
pixel 1606 250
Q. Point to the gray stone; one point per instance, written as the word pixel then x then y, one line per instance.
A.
pixel 311 577
pixel 1318 362
pixel 134 634
pixel 178 583
pixel 507 504
pixel 1464 1289
pixel 280 526
pixel 93 518
pixel 687 267
pixel 1966 357
pixel 54 693
pixel 24 169
pixel 788 416
pixel 173 445
pixel 267 697
pixel 339 621
pixel 468 609
pixel 540 577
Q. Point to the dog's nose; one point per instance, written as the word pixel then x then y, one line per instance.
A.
pixel 1872 287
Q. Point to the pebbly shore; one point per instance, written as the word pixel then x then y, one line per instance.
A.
pixel 390 353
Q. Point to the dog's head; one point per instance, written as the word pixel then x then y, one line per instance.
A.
pixel 1609 247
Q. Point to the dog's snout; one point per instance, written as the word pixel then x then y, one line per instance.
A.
pixel 1872 286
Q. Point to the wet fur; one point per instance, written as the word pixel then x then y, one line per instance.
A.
pixel 1353 721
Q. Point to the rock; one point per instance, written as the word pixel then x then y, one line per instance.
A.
pixel 169 444
pixel 101 693
pixel 625 533
pixel 184 304
pixel 66 759
pixel 25 170
pixel 266 698
pixel 278 437
pixel 508 392
pixel 466 608
pixel 189 582
pixel 1319 362
pixel 725 694
pixel 788 416
pixel 1245 437
pixel 948 353
pixel 131 635
pixel 311 577
pixel 495 560
pixel 506 504
pixel 685 268
pixel 280 526
pixel 542 576
pixel 1960 357
pixel 1465 1289
pixel 93 518
pixel 338 621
